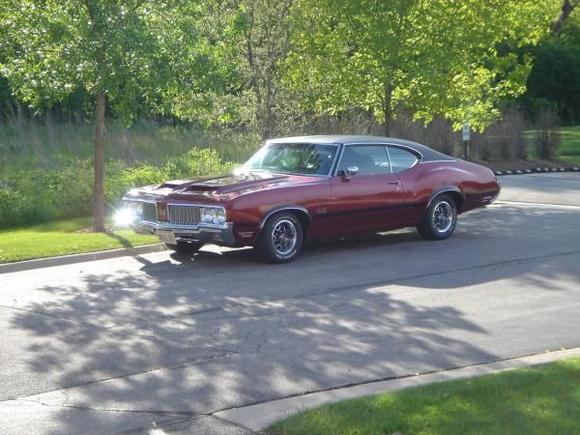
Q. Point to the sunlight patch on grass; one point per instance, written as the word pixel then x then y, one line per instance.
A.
pixel 63 237
pixel 541 399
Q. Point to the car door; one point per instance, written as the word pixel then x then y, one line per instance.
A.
pixel 404 164
pixel 369 199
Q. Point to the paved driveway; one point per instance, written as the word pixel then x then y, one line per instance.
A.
pixel 133 344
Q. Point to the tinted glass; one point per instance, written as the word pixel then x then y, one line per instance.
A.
pixel 401 159
pixel 310 159
pixel 369 159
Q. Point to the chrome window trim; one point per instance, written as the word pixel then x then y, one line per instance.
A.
pixel 298 173
pixel 418 154
pixel 412 150
pixel 440 161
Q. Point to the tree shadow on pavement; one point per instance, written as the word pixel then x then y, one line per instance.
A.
pixel 221 330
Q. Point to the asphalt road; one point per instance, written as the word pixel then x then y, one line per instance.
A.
pixel 157 343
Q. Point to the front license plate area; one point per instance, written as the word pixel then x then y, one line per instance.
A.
pixel 166 237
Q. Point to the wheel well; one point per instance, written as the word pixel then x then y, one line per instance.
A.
pixel 302 216
pixel 457 198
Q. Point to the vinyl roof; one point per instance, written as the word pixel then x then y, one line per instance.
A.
pixel 427 153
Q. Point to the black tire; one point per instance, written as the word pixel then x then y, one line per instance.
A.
pixel 185 248
pixel 440 219
pixel 289 233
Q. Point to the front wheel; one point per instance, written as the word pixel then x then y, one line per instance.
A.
pixel 281 239
pixel 440 219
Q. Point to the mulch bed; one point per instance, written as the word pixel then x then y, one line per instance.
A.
pixel 510 167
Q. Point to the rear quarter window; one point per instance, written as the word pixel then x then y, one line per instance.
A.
pixel 401 159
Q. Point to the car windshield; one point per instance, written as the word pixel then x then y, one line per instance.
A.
pixel 295 158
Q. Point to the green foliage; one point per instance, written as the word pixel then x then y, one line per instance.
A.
pixel 197 162
pixel 433 58
pixel 16 209
pixel 555 77
pixel 123 48
pixel 37 196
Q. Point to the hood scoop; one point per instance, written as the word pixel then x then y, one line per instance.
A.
pixel 200 188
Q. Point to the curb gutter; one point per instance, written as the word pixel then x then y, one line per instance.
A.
pixel 41 263
pixel 258 417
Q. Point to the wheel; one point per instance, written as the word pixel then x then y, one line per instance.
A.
pixel 440 219
pixel 281 238
pixel 185 247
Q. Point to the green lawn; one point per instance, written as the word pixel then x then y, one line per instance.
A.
pixel 570 146
pixel 63 237
pixel 540 400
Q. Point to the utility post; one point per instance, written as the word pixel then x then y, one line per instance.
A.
pixel 466 136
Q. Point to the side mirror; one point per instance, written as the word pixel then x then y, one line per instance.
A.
pixel 347 173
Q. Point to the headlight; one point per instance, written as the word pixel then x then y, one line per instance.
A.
pixel 213 216
pixel 128 214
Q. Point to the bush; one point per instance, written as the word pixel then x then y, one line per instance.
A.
pixel 16 209
pixel 197 162
pixel 41 195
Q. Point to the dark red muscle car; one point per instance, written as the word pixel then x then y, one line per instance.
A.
pixel 303 188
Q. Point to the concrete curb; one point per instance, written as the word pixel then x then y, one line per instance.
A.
pixel 258 417
pixel 41 263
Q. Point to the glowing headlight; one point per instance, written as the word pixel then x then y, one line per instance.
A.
pixel 128 214
pixel 213 216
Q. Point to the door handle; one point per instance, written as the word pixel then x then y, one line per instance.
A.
pixel 395 182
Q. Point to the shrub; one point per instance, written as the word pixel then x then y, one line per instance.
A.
pixel 197 162
pixel 38 195
pixel 16 209
pixel 70 191
pixel 119 179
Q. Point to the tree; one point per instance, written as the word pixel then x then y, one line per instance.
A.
pixel 431 57
pixel 121 52
pixel 567 7
pixel 554 81
pixel 248 42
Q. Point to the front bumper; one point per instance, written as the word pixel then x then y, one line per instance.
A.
pixel 200 233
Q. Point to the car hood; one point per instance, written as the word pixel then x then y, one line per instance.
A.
pixel 224 187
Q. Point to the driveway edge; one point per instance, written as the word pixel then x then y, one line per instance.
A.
pixel 41 263
pixel 258 417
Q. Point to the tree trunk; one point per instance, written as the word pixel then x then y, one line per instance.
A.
pixel 99 164
pixel 567 8
pixel 387 111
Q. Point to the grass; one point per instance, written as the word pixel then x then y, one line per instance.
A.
pixel 62 238
pixel 570 147
pixel 539 400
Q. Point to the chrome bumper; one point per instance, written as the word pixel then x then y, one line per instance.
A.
pixel 199 233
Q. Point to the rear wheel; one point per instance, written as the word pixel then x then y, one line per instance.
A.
pixel 281 239
pixel 440 219
pixel 185 247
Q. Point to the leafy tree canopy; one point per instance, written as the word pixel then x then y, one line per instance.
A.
pixel 432 57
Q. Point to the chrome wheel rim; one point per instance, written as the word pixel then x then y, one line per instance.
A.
pixel 284 237
pixel 443 216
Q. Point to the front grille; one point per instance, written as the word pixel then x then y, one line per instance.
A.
pixel 184 215
pixel 149 212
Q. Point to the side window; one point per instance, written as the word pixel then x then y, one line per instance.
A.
pixel 369 159
pixel 401 159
